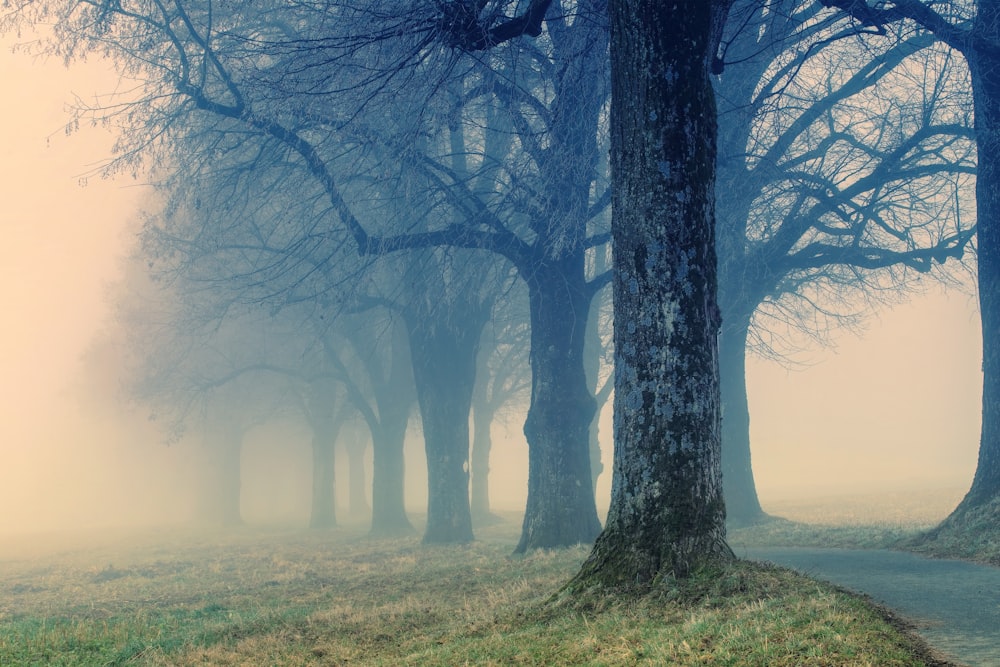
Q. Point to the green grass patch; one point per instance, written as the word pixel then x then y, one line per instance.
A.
pixel 305 598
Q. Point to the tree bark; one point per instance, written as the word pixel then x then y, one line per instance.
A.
pixel 444 351
pixel 667 516
pixel 560 508
pixel 742 505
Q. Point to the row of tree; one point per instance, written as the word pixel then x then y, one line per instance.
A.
pixel 431 161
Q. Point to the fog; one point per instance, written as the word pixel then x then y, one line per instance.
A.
pixel 896 409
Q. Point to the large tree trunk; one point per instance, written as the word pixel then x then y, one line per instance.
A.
pixel 560 509
pixel 444 371
pixel 667 515
pixel 742 504
pixel 985 68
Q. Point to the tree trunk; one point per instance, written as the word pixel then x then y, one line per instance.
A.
pixel 560 509
pixel 444 371
pixel 667 516
pixel 388 479
pixel 323 513
pixel 390 373
pixel 742 505
pixel 985 69
pixel 482 443
pixel 357 491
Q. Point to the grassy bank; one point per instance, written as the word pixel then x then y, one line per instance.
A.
pixel 298 598
pixel 922 523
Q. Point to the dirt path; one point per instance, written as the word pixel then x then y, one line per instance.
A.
pixel 955 605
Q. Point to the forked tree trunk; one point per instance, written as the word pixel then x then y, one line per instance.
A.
pixel 667 516
pixel 560 510
pixel 444 371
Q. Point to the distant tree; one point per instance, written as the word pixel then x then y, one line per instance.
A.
pixel 326 410
pixel 384 395
pixel 197 376
pixel 843 173
pixel 297 82
pixel 502 382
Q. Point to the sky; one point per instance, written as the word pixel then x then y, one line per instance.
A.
pixel 897 409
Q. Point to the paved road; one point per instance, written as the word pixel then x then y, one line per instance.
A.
pixel 955 605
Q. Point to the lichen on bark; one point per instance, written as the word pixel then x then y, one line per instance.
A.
pixel 667 517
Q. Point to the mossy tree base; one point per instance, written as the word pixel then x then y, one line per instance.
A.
pixel 971 532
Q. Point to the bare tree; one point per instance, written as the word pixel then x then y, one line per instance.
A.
pixel 299 82
pixel 844 173
pixel 973 30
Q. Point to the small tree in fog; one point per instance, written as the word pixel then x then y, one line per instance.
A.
pixel 202 377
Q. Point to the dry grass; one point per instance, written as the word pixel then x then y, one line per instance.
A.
pixel 302 598
pixel 859 521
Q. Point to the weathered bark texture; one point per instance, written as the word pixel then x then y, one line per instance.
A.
pixel 561 510
pixel 444 346
pixel 667 516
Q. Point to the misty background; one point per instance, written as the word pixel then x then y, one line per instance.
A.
pixel 894 412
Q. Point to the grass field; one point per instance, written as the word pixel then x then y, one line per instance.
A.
pixel 281 597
